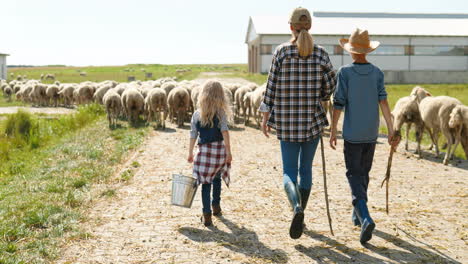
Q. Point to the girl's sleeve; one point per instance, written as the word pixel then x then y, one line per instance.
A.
pixel 223 125
pixel 339 98
pixel 269 99
pixel 193 125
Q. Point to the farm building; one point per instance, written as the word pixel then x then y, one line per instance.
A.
pixel 3 66
pixel 415 48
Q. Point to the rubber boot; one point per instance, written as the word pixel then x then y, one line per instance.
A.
pixel 294 197
pixel 305 193
pixel 367 224
pixel 355 219
pixel 304 197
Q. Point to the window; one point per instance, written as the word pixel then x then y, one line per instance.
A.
pixel 266 49
pixel 440 50
pixel 338 50
pixel 389 50
pixel 409 50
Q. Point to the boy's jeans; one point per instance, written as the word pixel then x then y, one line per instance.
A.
pixel 358 159
pixel 298 154
pixel 206 190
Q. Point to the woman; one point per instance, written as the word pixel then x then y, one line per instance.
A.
pixel 301 76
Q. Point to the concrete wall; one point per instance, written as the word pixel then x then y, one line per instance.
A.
pixel 3 67
pixel 410 77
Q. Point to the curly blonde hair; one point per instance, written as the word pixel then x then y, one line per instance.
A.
pixel 212 101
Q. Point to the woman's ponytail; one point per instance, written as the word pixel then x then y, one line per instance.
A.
pixel 305 43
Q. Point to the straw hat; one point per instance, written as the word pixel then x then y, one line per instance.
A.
pixel 359 42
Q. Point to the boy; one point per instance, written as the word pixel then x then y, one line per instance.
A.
pixel 360 90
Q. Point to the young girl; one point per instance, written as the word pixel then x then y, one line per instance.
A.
pixel 213 160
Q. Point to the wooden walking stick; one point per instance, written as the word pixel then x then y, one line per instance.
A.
pixel 389 167
pixel 325 186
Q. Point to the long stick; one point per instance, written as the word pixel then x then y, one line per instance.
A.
pixel 325 186
pixel 387 173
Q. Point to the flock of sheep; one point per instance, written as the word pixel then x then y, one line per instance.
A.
pixel 435 114
pixel 153 100
pixel 159 99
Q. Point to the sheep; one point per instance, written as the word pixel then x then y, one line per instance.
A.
pixel 168 86
pixel 113 104
pixel 458 122
pixel 178 101
pixel 38 94
pixel 194 96
pixel 239 101
pixel 100 92
pixel 247 101
pixel 49 76
pixel 435 112
pixel 7 91
pixel 120 88
pixel 85 93
pixel 41 77
pixel 156 104
pixel 406 111
pixel 23 93
pixel 66 92
pixel 256 100
pixel 132 104
pixel 52 93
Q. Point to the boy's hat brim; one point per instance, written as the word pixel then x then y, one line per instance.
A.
pixel 346 45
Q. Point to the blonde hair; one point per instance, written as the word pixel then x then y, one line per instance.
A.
pixel 302 38
pixel 212 102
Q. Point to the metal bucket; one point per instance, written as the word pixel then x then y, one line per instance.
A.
pixel 183 190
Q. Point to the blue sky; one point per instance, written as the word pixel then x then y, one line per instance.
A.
pixel 117 32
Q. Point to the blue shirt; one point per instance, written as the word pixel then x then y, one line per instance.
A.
pixel 360 88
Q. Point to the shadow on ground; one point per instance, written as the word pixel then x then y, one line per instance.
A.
pixel 240 239
pixel 337 252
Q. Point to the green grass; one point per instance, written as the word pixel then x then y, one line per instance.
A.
pixel 13 102
pixel 459 91
pixel 120 73
pixel 47 171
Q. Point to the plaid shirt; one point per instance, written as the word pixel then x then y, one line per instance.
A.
pixel 294 90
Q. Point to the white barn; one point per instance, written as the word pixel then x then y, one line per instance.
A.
pixel 415 48
pixel 3 66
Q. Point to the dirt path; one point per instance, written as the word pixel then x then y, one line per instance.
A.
pixel 427 221
pixel 37 110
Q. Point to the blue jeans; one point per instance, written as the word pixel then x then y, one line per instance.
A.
pixel 297 159
pixel 206 190
pixel 358 159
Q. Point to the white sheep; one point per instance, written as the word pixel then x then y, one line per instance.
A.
pixel 406 111
pixel 194 96
pixel 133 104
pixel 435 112
pixel 120 88
pixel 256 100
pixel 459 123
pixel 52 93
pixel 49 76
pixel 85 93
pixel 247 101
pixel 67 92
pixel 179 102
pixel 38 94
pixel 113 104
pixel 155 106
pixel 100 92
pixel 239 101
pixel 168 86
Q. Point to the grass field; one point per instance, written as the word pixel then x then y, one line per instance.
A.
pixel 47 171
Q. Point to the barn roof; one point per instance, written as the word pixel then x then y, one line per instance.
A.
pixel 393 24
